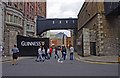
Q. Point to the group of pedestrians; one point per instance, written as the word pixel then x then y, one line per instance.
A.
pixel 41 54
pixel 58 52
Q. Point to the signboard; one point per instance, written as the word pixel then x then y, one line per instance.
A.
pixel 28 46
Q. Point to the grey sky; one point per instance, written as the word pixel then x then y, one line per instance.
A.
pixel 63 9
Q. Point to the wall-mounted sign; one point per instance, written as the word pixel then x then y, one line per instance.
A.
pixel 28 43
pixel 28 46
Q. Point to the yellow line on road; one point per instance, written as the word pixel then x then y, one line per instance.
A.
pixel 11 60
pixel 92 62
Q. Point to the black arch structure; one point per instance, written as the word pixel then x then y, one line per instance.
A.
pixel 44 24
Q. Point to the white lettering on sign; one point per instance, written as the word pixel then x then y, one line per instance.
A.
pixel 35 43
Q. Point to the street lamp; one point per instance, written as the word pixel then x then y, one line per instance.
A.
pixel 63 38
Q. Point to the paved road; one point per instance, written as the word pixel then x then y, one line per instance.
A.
pixel 29 67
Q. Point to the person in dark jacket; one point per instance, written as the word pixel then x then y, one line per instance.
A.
pixel 56 53
pixel 64 52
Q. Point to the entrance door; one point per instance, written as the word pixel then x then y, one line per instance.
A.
pixel 93 48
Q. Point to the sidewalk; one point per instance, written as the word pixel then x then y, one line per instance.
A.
pixel 9 58
pixel 101 59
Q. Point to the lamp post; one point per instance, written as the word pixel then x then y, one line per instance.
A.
pixel 63 39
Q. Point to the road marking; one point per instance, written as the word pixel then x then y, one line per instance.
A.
pixel 7 61
pixel 92 62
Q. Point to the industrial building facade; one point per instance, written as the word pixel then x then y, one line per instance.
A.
pixel 98 34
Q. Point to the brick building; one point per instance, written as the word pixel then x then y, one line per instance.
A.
pixel 29 23
pixel 32 10
pixel 55 42
pixel 97 34
pixel 41 11
pixel 20 19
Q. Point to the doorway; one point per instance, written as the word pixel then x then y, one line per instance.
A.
pixel 93 48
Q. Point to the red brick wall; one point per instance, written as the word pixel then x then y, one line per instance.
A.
pixel 29 10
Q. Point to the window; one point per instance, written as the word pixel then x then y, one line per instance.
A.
pixel 15 19
pixel 27 16
pixel 60 22
pixel 27 27
pixel 66 21
pixel 73 21
pixel 28 7
pixel 30 10
pixel 15 5
pixel 20 21
pixel 9 18
pixel 31 27
pixel 21 6
pixel 53 22
pixel 33 18
pixel 9 3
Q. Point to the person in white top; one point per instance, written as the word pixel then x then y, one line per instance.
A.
pixel 48 53
pixel 43 53
pixel 71 52
pixel 2 51
pixel 40 54
pixel 53 51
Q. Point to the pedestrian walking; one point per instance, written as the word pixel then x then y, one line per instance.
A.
pixel 15 54
pixel 71 52
pixel 64 52
pixel 48 53
pixel 59 51
pixel 56 53
pixel 43 53
pixel 2 53
pixel 40 54
pixel 51 50
pixel 1 50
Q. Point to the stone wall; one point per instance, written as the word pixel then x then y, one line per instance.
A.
pixel 1 23
pixel 104 31
pixel 10 37
pixel 111 34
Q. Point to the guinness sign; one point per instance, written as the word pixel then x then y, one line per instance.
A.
pixel 28 46
pixel 35 43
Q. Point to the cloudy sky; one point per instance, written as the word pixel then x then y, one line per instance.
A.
pixel 63 9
